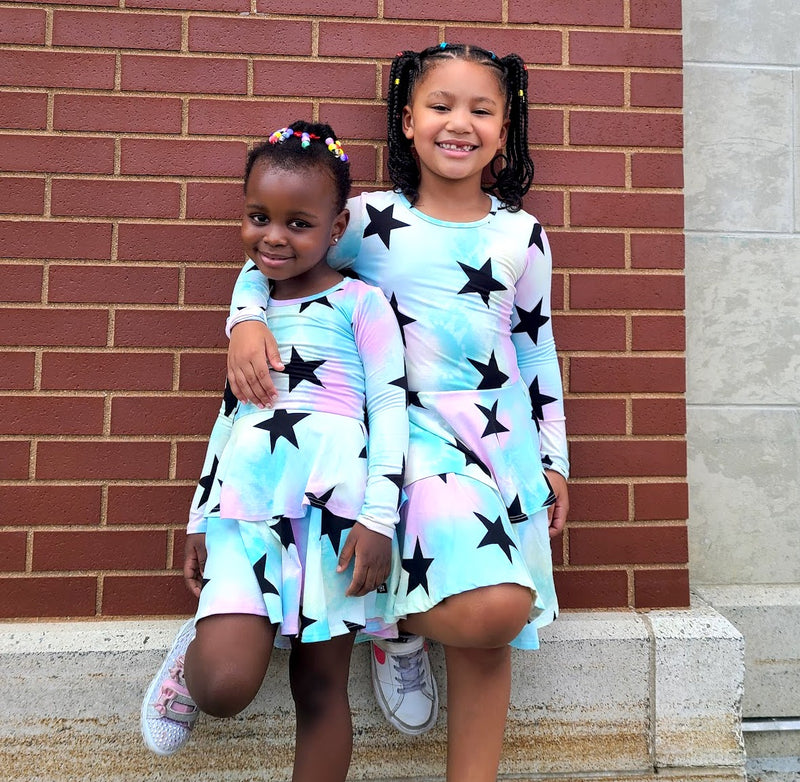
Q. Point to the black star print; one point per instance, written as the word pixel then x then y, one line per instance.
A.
pixel 536 237
pixel 207 481
pixel 322 300
pixel 547 461
pixel 203 582
pixel 413 399
pixel 530 322
pixel 538 400
pixel 283 529
pixel 264 585
pixel 493 425
pixel 305 621
pixel 229 399
pixel 281 424
pixel 333 526
pixel 470 457
pixel 382 223
pixel 352 626
pixel 417 569
pixel 491 375
pixel 481 281
pixel 322 500
pixel 299 370
pixel 401 382
pixel 515 513
pixel 402 320
pixel 363 454
pixel 496 535
pixel 251 268
pixel 443 476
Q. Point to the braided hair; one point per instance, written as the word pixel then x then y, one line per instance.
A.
pixel 511 170
pixel 290 153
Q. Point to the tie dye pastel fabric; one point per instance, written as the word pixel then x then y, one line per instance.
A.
pixel 281 488
pixel 486 402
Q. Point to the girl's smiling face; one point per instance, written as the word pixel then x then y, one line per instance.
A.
pixel 290 220
pixel 456 120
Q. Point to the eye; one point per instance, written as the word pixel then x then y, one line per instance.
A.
pixel 299 224
pixel 439 107
pixel 259 219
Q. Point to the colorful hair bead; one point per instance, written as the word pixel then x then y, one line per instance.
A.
pixel 335 146
pixel 443 45
pixel 280 135
pixel 305 140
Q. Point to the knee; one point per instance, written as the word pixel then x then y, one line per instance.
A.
pixel 223 692
pixel 496 615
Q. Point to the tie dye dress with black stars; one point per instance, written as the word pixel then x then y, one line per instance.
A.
pixel 485 396
pixel 281 488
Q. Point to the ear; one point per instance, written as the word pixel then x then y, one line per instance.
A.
pixel 339 225
pixel 501 142
pixel 408 123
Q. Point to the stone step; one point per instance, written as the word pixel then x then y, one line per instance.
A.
pixel 610 695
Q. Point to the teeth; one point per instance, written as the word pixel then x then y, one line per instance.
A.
pixel 458 147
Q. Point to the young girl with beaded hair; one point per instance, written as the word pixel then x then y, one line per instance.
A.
pixel 292 526
pixel 468 274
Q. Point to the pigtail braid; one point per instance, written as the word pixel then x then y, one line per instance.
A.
pixel 402 165
pixel 513 171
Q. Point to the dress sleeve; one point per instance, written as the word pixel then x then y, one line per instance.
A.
pixel 220 434
pixel 380 346
pixel 532 334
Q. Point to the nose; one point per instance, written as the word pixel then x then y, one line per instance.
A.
pixel 274 235
pixel 459 120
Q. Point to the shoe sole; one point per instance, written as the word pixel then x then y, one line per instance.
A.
pixel 391 718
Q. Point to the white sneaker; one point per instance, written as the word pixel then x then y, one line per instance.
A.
pixel 403 683
pixel 168 711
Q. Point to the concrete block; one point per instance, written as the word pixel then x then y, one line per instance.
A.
pixel 738 167
pixel 698 686
pixel 583 708
pixel 746 31
pixel 743 320
pixel 744 468
pixel 769 619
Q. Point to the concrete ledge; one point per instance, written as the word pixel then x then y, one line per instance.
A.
pixel 615 696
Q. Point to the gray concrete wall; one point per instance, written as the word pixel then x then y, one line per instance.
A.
pixel 742 165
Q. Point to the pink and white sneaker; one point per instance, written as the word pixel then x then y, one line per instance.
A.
pixel 168 711
pixel 404 685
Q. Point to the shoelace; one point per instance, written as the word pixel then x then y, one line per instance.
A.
pixel 412 672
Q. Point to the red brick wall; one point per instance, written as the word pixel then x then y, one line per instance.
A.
pixel 123 137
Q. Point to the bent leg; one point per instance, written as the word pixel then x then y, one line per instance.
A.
pixel 227 661
pixel 481 618
pixel 318 675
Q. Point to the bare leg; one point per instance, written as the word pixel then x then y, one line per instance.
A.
pixel 478 691
pixel 475 628
pixel 227 661
pixel 319 673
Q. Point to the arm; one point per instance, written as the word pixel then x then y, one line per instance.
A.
pixel 381 349
pixel 194 559
pixel 253 349
pixel 532 335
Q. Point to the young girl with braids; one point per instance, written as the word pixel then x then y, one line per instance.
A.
pixel 292 527
pixel 468 274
